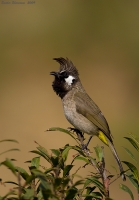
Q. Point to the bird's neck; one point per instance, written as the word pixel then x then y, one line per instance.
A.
pixel 76 88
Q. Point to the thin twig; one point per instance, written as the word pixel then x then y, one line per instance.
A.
pixel 99 168
pixel 105 179
pixel 115 179
pixel 92 161
pixel 19 183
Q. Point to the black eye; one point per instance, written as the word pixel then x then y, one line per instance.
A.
pixel 64 74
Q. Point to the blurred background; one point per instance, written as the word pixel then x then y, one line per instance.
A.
pixel 102 40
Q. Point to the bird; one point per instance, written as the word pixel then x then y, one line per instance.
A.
pixel 79 109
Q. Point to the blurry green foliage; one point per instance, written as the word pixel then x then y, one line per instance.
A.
pixel 58 182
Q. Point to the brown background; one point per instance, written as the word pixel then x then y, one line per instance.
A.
pixel 101 38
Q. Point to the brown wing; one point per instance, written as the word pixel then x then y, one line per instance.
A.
pixel 87 107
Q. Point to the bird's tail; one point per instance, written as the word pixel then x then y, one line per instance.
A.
pixel 117 159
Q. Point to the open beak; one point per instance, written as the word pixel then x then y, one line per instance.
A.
pixel 56 74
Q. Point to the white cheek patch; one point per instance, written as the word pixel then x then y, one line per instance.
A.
pixel 69 80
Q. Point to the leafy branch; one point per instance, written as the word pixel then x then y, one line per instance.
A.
pixel 59 182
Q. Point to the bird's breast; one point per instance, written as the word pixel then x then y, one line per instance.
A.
pixel 77 120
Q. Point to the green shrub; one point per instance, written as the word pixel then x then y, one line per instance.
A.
pixel 58 182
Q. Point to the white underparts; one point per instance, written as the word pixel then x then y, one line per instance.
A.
pixel 69 80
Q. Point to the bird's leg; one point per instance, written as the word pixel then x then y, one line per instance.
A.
pixel 78 132
pixel 79 135
pixel 86 145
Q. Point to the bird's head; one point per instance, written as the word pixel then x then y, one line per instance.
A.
pixel 65 78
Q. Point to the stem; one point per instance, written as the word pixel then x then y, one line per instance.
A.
pixel 105 179
pixel 99 168
pixel 19 183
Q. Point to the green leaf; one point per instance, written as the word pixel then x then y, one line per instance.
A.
pixel 48 170
pixel 134 144
pixel 99 152
pixel 64 131
pixel 81 158
pixel 45 185
pixel 61 163
pixel 9 140
pixel 65 182
pixel 126 189
pixel 42 154
pixel 46 194
pixel 8 163
pixel 57 182
pixel 30 179
pixel 96 182
pixel 96 195
pixel 133 181
pixel 37 152
pixel 134 136
pixel 71 193
pixel 130 154
pixel 108 198
pixel 11 182
pixel 55 161
pixel 78 149
pixel 22 172
pixel 67 170
pixel 44 151
pixel 38 173
pixel 80 182
pixel 55 152
pixel 9 150
pixel 66 152
pixel 29 193
pixel 35 162
pixel 133 170
pixel 90 189
pixel 87 182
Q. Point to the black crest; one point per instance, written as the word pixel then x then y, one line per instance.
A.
pixel 67 68
pixel 67 65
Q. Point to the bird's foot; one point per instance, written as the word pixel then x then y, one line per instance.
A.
pixel 78 132
pixel 79 135
pixel 84 146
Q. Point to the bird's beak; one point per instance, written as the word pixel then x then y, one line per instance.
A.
pixel 54 74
